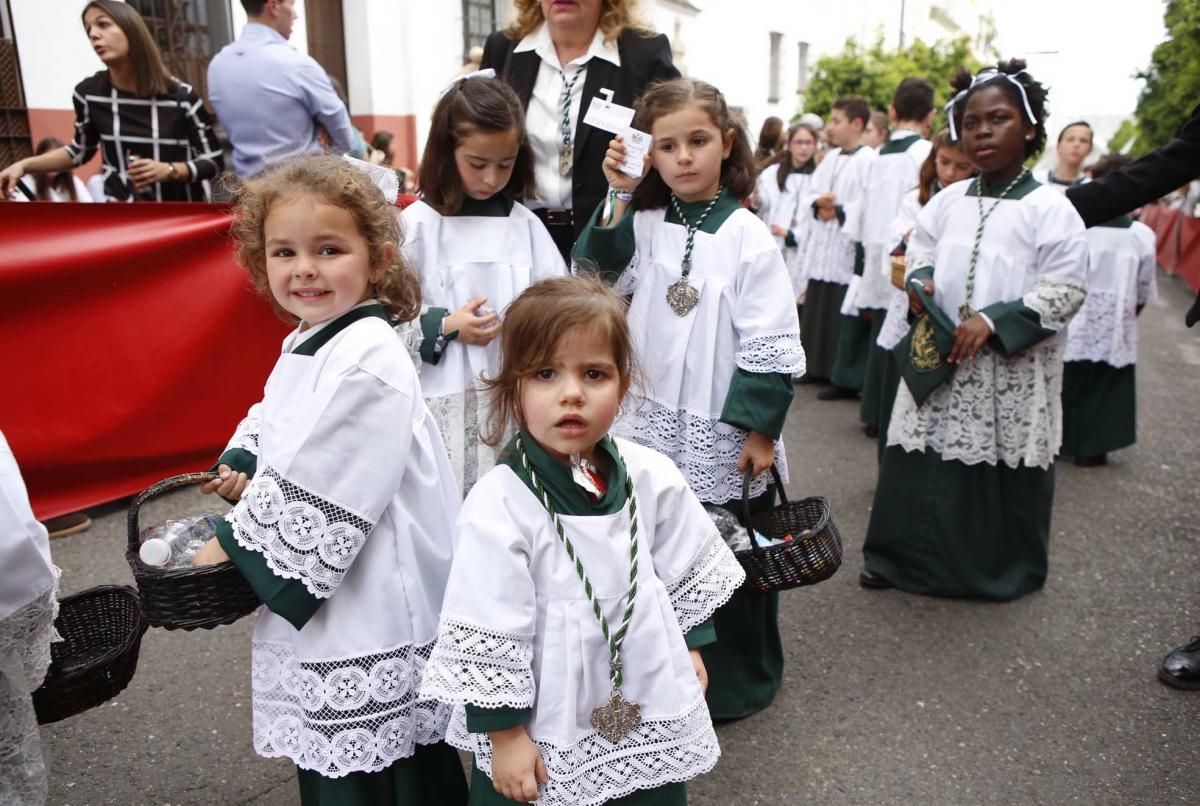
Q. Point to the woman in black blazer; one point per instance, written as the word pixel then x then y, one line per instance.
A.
pixel 601 46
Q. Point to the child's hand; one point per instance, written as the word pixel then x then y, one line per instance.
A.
pixel 701 672
pixel 826 201
pixel 779 231
pixel 228 484
pixel 914 302
pixel 969 339
pixel 473 328
pixel 826 213
pixel 517 767
pixel 758 453
pixel 612 167
pixel 210 553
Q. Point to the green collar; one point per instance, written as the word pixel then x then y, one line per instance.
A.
pixel 1022 189
pixel 568 497
pixel 850 152
pixel 726 206
pixel 497 206
pixel 806 168
pixel 310 345
pixel 1120 222
pixel 899 146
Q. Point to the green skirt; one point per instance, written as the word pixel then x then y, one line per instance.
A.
pixel 888 384
pixel 820 325
pixel 855 340
pixel 873 383
pixel 745 665
pixel 484 794
pixel 1099 408
pixel 431 776
pixel 943 528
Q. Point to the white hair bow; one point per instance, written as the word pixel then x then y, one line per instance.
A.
pixel 487 72
pixel 983 77
pixel 384 177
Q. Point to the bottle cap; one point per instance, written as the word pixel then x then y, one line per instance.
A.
pixel 155 552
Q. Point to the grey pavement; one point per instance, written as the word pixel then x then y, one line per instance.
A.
pixel 888 698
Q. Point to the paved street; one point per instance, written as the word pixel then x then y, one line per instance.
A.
pixel 889 698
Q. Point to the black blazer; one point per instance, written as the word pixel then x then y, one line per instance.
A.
pixel 1152 177
pixel 644 59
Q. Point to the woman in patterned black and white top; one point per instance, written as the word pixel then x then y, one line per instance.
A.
pixel 154 134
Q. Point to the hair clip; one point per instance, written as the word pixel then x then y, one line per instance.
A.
pixel 486 72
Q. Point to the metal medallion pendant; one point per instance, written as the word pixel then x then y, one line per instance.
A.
pixel 965 312
pixel 682 296
pixel 617 717
pixel 566 159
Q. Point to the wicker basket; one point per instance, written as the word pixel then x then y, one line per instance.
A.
pixel 813 555
pixel 186 598
pixel 102 631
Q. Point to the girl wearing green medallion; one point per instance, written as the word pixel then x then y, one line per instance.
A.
pixel 714 323
pixel 585 578
pixel 966 484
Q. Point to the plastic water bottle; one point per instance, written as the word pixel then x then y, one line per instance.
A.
pixel 173 543
pixel 732 532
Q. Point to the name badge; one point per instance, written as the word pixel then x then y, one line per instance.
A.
pixel 637 145
pixel 604 114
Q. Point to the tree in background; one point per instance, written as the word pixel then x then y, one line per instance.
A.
pixel 1172 80
pixel 875 72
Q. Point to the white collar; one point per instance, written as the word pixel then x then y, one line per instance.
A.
pixel 540 43
pixel 298 336
pixel 900 134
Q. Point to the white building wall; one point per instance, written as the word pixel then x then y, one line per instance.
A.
pixel 54 51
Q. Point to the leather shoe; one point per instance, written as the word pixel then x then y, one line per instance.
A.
pixel 871 430
pixel 836 393
pixel 1181 667
pixel 873 581
pixel 1099 460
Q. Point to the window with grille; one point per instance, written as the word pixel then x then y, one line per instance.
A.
pixel 776 68
pixel 14 122
pixel 479 20
pixel 189 33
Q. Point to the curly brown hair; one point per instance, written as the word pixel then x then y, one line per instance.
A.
pixel 616 17
pixel 536 323
pixel 335 182
pixel 738 170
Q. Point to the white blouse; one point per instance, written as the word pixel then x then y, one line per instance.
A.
pixel 996 409
pixel 518 630
pixel 543 118
pixel 354 498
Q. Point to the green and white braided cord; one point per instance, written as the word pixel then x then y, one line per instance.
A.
pixel 614 639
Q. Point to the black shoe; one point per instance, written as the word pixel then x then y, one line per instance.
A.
pixel 1091 461
pixel 837 393
pixel 871 430
pixel 1181 667
pixel 873 581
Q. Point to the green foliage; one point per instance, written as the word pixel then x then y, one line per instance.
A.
pixel 1172 80
pixel 874 72
pixel 1125 132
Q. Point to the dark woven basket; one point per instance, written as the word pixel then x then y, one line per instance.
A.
pixel 186 598
pixel 102 631
pixel 813 555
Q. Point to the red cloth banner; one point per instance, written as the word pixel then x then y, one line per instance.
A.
pixel 135 345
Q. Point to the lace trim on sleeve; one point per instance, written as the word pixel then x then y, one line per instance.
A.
pixel 301 535
pixel 245 436
pixel 473 665
pixel 709 582
pixel 1055 302
pixel 772 352
pixel 411 336
pixel 25 638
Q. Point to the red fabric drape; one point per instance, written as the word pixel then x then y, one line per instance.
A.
pixel 134 345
